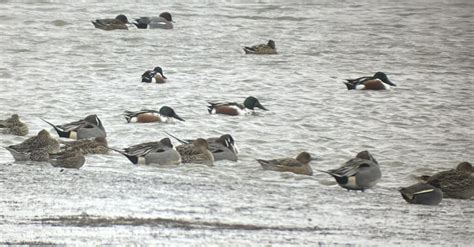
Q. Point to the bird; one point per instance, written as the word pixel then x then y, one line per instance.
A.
pixel 166 114
pixel 268 48
pixel 455 183
pixel 300 165
pixel 379 81
pixel 152 153
pixel 119 22
pixel 97 145
pixel 154 76
pixel 71 158
pixel 35 148
pixel 13 125
pixel 222 147
pixel 163 21
pixel 203 157
pixel 423 193
pixel 89 127
pixel 233 108
pixel 360 173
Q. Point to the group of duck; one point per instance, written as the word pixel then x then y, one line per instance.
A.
pixel 359 173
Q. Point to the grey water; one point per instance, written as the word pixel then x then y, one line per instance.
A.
pixel 55 65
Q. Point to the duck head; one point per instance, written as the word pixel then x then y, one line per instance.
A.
pixel 252 102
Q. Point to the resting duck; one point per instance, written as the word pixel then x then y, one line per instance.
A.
pixel 455 183
pixel 71 158
pixel 379 81
pixel 154 76
pixel 202 156
pixel 166 114
pixel 422 193
pixel 89 127
pixel 152 153
pixel 97 145
pixel 360 173
pixel 233 108
pixel 268 48
pixel 222 148
pixel 163 21
pixel 36 148
pixel 119 22
pixel 300 165
pixel 13 125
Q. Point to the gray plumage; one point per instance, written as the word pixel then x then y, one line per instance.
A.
pixel 89 127
pixel 422 193
pixel 359 173
pixel 152 153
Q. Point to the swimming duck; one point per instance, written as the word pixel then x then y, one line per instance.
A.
pixel 154 76
pixel 268 48
pixel 233 108
pixel 222 148
pixel 13 125
pixel 379 81
pixel 359 173
pixel 119 22
pixel 164 21
pixel 203 157
pixel 152 153
pixel 455 183
pixel 71 158
pixel 89 127
pixel 97 145
pixel 423 193
pixel 300 165
pixel 35 148
pixel 166 114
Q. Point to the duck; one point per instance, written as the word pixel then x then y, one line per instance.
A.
pixel 360 173
pixel 119 22
pixel 379 81
pixel 233 108
pixel 13 125
pixel 161 153
pixel 166 114
pixel 89 127
pixel 204 156
pixel 36 148
pixel 154 76
pixel 423 193
pixel 97 145
pixel 268 48
pixel 455 183
pixel 163 21
pixel 222 147
pixel 71 158
pixel 299 165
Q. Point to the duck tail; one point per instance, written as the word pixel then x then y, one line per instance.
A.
pixel 128 116
pixel 60 132
pixel 265 164
pixel 176 138
pixel 132 158
pixel 211 107
pixel 330 173
pixel 350 86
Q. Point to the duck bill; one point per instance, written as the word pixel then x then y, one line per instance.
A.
pixel 178 117
pixel 390 83
pixel 163 76
pixel 261 107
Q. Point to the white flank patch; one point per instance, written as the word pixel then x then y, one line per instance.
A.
pixel 141 160
pixel 73 135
